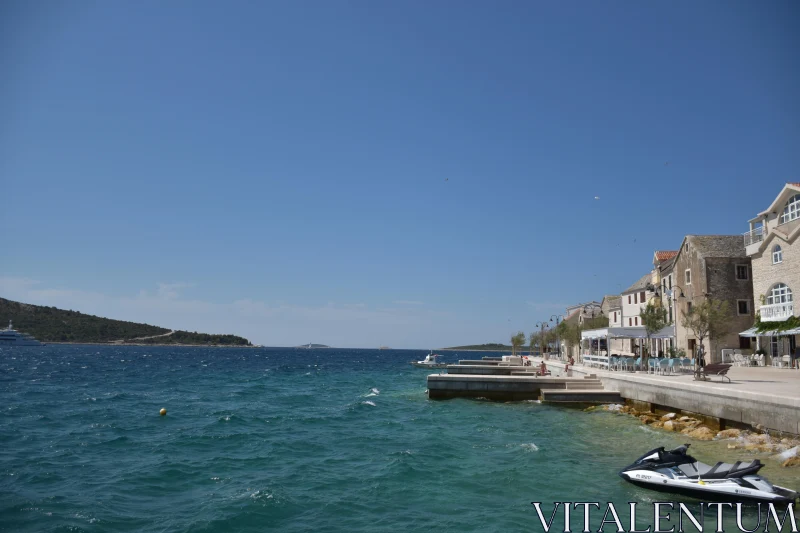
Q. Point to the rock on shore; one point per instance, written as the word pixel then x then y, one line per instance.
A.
pixel 787 449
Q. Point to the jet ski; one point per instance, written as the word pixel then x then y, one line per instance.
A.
pixel 677 471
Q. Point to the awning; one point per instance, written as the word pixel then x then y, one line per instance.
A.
pixel 752 333
pixel 616 333
pixel 667 332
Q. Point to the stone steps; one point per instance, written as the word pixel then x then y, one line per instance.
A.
pixel 585 385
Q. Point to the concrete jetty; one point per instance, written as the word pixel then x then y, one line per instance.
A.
pixel 763 397
pixel 514 383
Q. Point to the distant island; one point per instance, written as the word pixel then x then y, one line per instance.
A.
pixel 482 347
pixel 52 325
pixel 311 346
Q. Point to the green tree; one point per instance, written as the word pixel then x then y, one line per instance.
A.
pixel 517 341
pixel 708 319
pixel 654 319
pixel 533 340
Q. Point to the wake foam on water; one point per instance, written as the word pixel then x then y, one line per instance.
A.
pixel 368 403
pixel 529 447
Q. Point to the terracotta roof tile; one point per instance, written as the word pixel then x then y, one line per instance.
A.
pixel 663 255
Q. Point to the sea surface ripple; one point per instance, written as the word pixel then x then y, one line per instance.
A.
pixel 289 440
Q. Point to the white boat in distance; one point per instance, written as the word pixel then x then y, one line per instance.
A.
pixel 431 361
pixel 12 337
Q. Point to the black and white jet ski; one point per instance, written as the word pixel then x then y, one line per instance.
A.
pixel 677 471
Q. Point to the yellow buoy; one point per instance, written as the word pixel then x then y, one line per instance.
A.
pixel 163 412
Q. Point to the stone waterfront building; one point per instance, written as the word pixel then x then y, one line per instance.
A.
pixel 774 249
pixel 713 266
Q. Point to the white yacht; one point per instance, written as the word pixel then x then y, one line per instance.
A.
pixel 12 337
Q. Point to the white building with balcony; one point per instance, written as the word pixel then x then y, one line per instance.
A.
pixel 774 249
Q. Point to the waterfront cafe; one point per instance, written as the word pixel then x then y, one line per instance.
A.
pixel 779 344
pixel 596 341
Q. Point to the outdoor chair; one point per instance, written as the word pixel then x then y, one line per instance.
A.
pixel 759 359
pixel 672 364
pixel 651 366
pixel 687 364
pixel 637 363
pixel 663 364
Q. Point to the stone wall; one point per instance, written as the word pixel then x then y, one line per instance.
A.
pixel 715 278
pixel 723 286
pixel 688 259
pixel 765 274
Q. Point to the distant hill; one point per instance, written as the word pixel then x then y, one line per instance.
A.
pixel 486 347
pixel 49 324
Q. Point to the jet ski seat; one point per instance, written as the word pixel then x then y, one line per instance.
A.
pixel 721 470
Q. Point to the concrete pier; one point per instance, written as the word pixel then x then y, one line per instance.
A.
pixel 513 388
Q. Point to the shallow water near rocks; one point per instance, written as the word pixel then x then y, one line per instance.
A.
pixel 295 440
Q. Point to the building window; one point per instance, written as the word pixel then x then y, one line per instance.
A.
pixel 615 317
pixel 741 272
pixel 670 281
pixel 777 255
pixel 687 277
pixel 641 297
pixel 792 209
pixel 688 307
pixel 636 321
pixel 744 307
pixel 630 321
pixel 629 298
pixel 634 298
pixel 779 294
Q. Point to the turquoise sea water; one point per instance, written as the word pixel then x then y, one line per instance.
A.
pixel 292 440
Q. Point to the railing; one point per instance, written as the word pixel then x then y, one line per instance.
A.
pixel 777 312
pixel 753 236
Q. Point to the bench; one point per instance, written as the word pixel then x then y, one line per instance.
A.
pixel 716 369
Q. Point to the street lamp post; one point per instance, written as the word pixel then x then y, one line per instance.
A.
pixel 542 325
pixel 558 318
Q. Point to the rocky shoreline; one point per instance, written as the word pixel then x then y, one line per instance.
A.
pixel 785 449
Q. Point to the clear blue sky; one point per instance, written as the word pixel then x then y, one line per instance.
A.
pixel 407 173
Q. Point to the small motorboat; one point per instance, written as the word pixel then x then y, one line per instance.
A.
pixel 677 471
pixel 432 360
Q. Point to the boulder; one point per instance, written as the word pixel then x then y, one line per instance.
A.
pixel 729 434
pixel 684 419
pixel 792 461
pixel 668 416
pixel 647 419
pixel 758 438
pixel 702 433
pixel 669 425
pixel 733 446
pixel 757 447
